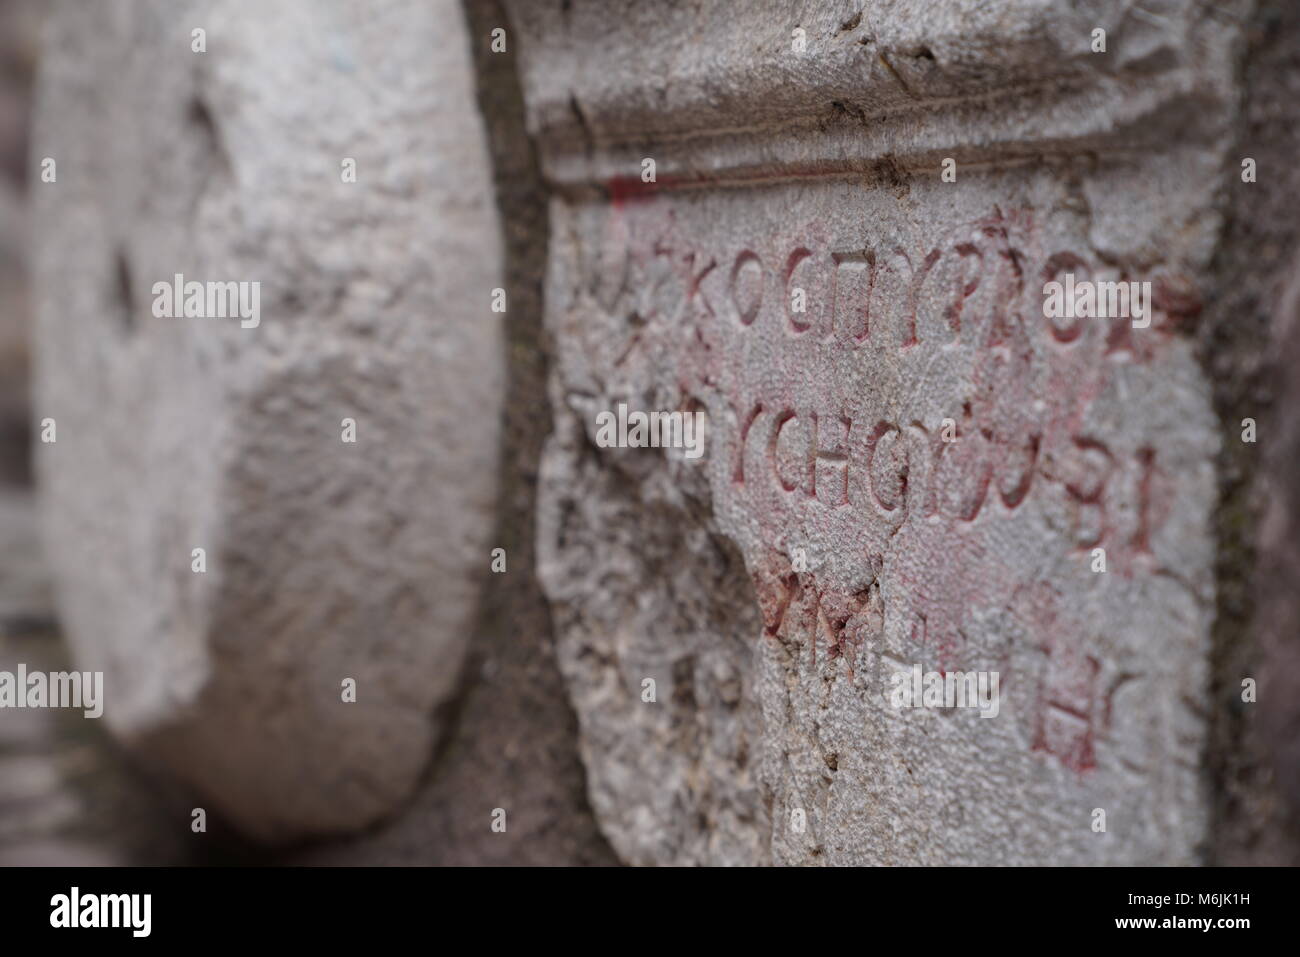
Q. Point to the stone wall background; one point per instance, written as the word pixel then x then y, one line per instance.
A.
pixel 1247 342
pixel 69 794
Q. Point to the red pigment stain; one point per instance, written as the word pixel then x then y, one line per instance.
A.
pixel 1065 716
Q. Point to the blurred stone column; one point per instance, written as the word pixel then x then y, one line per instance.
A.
pixel 334 453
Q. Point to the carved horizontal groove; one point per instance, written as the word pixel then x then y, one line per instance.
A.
pixel 815 119
pixel 1090 121
pixel 779 88
pixel 881 173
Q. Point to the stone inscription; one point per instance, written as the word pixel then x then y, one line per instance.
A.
pixel 887 398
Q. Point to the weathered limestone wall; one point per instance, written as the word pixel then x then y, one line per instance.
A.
pixel 183 433
pixel 830 536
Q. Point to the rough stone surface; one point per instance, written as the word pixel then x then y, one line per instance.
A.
pixel 512 737
pixel 821 173
pixel 19 25
pixel 1276 670
pixel 1250 342
pixel 325 560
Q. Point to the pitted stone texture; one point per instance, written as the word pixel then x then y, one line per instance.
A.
pixel 1276 600
pixel 642 586
pixel 711 88
pixel 925 303
pixel 325 560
